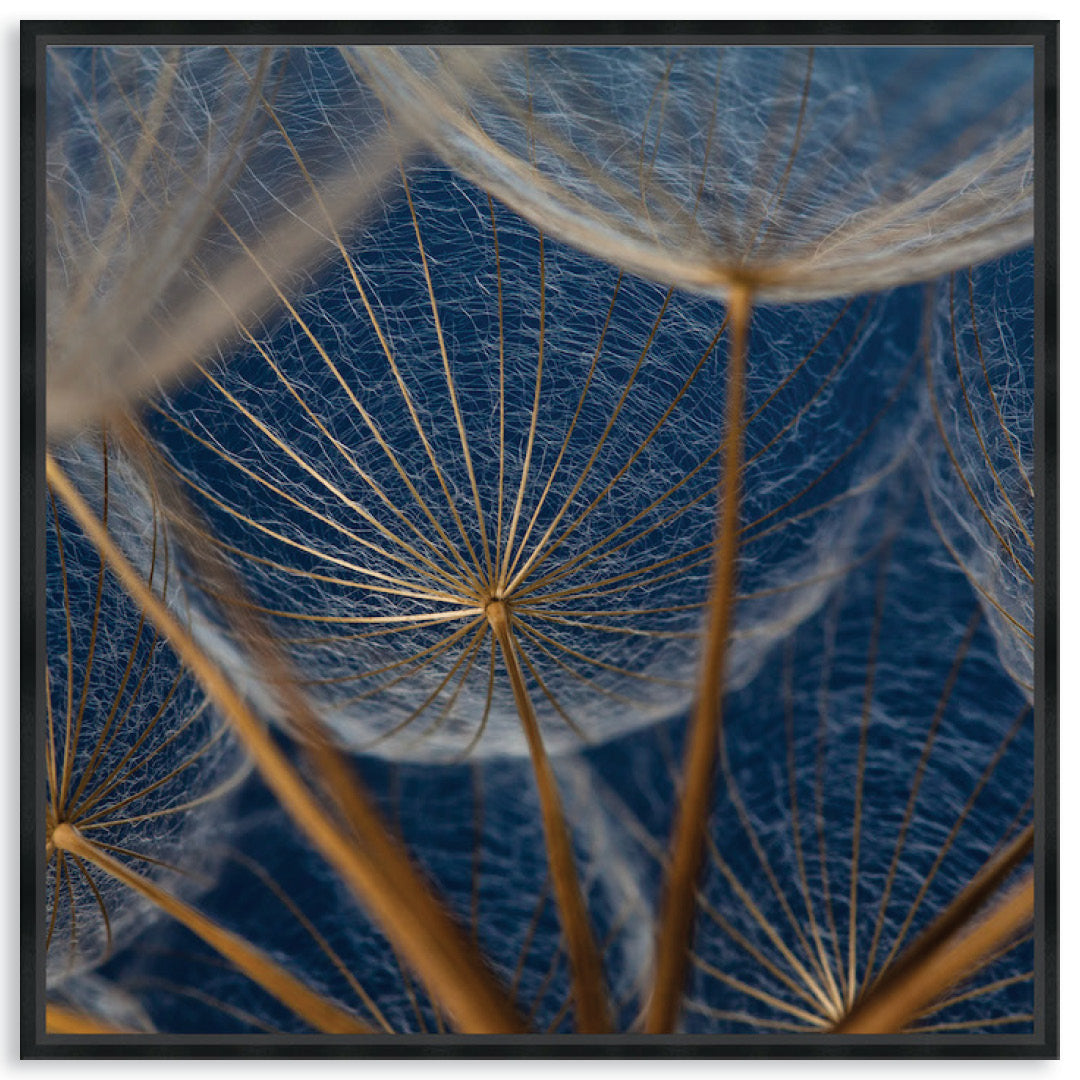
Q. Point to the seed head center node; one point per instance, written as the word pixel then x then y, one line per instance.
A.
pixel 497 611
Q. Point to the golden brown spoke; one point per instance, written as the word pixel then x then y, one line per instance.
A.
pixel 137 159
pixel 971 414
pixel 354 401
pixel 627 576
pixel 581 561
pixel 335 639
pixel 916 784
pixel 675 927
pixel 552 700
pixel 312 931
pixel 975 584
pixel 470 658
pixel 540 555
pixel 81 867
pixel 570 430
pixel 508 550
pixel 462 436
pixel 939 420
pixel 429 700
pixel 867 484
pixel 781 386
pixel 436 572
pixel 196 994
pixel 640 676
pixel 482 726
pixel 746 1018
pixel 835 464
pixel 252 961
pixel 94 623
pixel 771 206
pixel 860 769
pixel 66 765
pixel 94 821
pixel 351 504
pixel 329 579
pixel 796 965
pixel 822 386
pixel 406 396
pixel 613 589
pixel 752 991
pixel 352 620
pixel 128 853
pixel 608 629
pixel 59 856
pixel 979 991
pixel 70 889
pixel 50 746
pixel 961 1025
pixel 438 648
pixel 529 602
pixel 113 779
pixel 502 388
pixel 757 955
pixel 591 683
pixel 944 954
pixel 816 579
pixel 587 970
pixel 947 843
pixel 645 175
pixel 299 504
pixel 108 733
pixel 379 873
pixel 990 388
pixel 530 932
pixel 822 960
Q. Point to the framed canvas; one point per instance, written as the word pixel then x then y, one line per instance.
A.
pixel 540 543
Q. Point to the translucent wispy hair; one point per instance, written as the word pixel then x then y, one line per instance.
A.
pixel 136 758
pixel 174 204
pixel 476 831
pixel 463 412
pixel 880 761
pixel 981 472
pixel 802 172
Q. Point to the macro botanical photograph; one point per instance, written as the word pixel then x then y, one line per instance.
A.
pixel 539 540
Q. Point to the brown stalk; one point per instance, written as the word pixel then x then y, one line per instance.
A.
pixel 378 871
pixel 585 963
pixel 688 838
pixel 950 948
pixel 60 1020
pixel 251 960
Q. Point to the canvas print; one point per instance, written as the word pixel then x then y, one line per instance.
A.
pixel 540 539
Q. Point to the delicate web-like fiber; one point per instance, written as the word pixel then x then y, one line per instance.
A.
pixel 810 172
pixel 136 759
pixel 982 470
pixel 476 831
pixel 870 770
pixel 482 412
pixel 174 205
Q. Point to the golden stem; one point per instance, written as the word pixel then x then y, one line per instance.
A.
pixel 251 960
pixel 675 926
pixel 588 973
pixel 60 1020
pixel 898 1003
pixel 379 872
